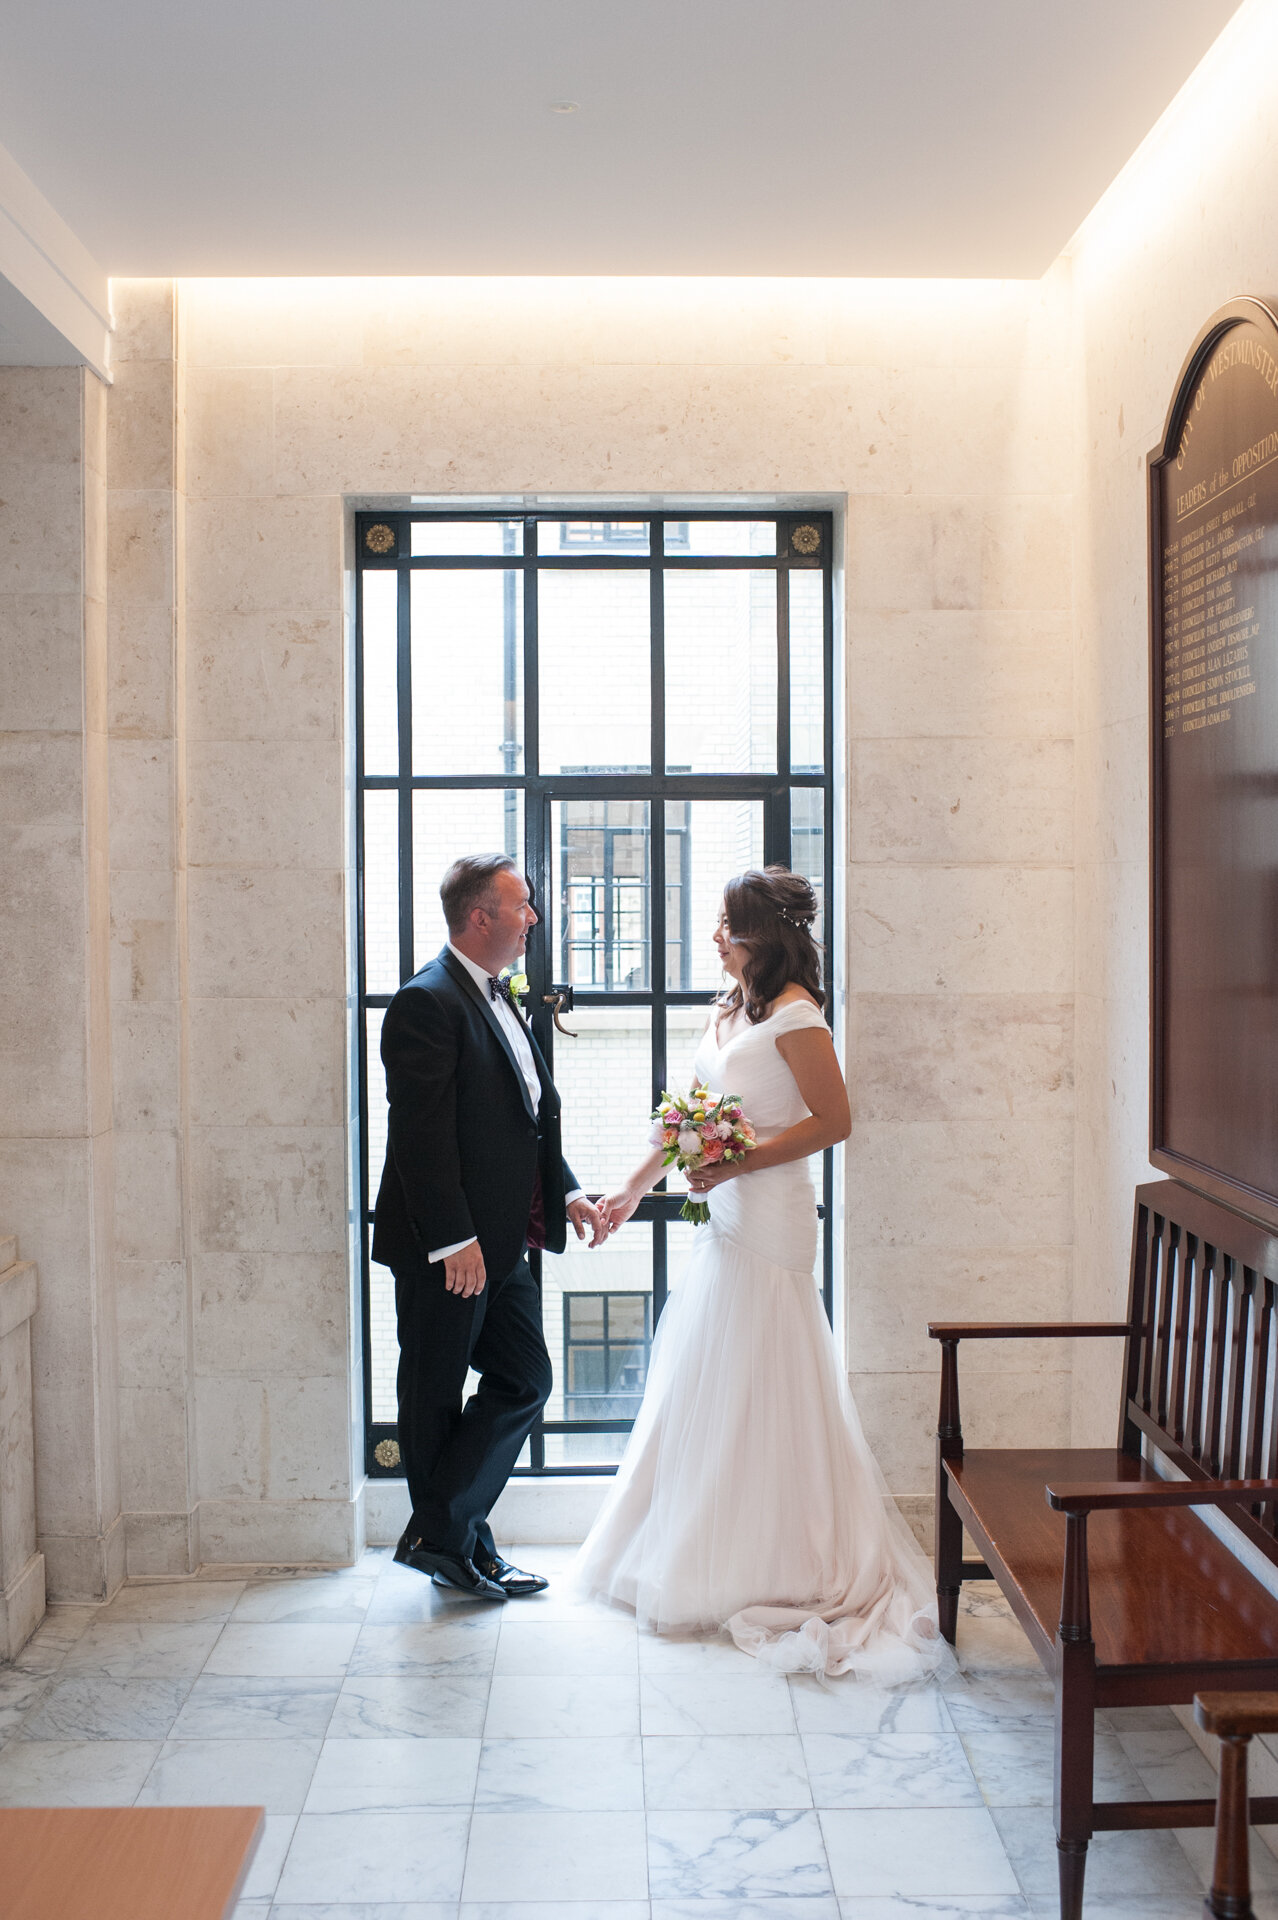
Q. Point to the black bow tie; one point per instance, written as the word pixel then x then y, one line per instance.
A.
pixel 498 989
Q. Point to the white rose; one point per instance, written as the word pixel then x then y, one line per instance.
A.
pixel 689 1142
pixel 657 1137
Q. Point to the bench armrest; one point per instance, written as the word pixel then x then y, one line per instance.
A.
pixel 1087 1496
pixel 1236 1715
pixel 1026 1329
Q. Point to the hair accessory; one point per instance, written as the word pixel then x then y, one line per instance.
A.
pixel 791 921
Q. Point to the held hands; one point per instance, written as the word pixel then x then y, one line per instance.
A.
pixel 583 1214
pixel 614 1210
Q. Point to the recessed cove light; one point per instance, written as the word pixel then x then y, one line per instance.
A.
pixel 565 106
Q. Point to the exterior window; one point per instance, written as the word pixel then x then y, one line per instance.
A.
pixel 634 709
pixel 607 1340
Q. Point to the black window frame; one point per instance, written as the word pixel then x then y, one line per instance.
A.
pixel 383 540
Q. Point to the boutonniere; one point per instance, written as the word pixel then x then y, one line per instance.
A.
pixel 516 985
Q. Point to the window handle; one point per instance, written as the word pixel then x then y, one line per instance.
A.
pixel 560 1001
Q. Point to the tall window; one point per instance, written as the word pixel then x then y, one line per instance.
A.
pixel 634 710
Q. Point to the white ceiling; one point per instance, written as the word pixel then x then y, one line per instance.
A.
pixel 842 137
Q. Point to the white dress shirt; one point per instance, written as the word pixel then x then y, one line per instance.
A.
pixel 517 1034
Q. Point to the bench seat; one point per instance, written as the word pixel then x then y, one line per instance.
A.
pixel 1168 1598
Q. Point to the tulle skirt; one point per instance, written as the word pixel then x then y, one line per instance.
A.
pixel 747 1497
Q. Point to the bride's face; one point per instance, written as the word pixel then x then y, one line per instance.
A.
pixel 731 954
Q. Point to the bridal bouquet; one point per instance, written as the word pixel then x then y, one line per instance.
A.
pixel 697 1130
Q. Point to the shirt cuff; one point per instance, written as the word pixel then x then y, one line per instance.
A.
pixel 578 1193
pixel 442 1253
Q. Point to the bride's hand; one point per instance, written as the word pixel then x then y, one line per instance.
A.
pixel 702 1179
pixel 614 1210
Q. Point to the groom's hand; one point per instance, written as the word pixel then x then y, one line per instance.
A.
pixel 464 1271
pixel 583 1215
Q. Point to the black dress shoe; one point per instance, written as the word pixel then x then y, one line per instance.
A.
pixel 511 1580
pixel 448 1569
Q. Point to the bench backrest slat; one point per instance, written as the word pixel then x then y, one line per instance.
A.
pixel 1201 1372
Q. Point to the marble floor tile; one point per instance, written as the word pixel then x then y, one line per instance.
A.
pixel 557 1910
pixel 1014 1767
pixel 393 1776
pixel 716 1703
pixel 319 1600
pixel 268 1862
pixel 1169 1764
pixel 1142 1720
pixel 590 1774
pixel 402 1596
pixel 390 1707
pixel 889 1906
pixel 567 1647
pixel 1198 1845
pixel 461 1647
pixel 889 1770
pixel 562 1602
pixel 1138 1907
pixel 993 1641
pixel 526 1706
pixel 736 1856
pixel 74 1773
pixel 1117 1863
pixel 252 1910
pixel 707 1773
pixel 660 1653
pixel 368 1910
pixel 281 1652
pixel 91 1707
pixel 936 1851
pixel 365 1910
pixel 999 1700
pixel 274 1774
pixel 850 1706
pixel 221 1708
pixel 177 1601
pixel 820 1906
pixel 556 1857
pixel 19 1693
pixel 143 1649
pixel 372 1857
pixel 53 1639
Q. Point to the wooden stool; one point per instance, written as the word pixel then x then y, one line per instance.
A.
pixel 1234 1718
pixel 125 1863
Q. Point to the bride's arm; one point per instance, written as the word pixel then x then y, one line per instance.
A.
pixel 616 1208
pixel 809 1054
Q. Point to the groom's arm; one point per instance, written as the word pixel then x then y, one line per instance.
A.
pixel 420 1052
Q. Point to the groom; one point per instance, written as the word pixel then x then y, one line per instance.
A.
pixel 474 1176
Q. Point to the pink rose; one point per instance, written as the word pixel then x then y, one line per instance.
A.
pixel 712 1151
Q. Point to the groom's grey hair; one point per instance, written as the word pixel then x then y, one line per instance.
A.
pixel 469 884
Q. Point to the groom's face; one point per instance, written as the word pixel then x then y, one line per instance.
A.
pixel 511 918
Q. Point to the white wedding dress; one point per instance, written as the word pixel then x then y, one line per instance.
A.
pixel 747 1497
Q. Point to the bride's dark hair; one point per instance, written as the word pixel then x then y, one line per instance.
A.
pixel 769 912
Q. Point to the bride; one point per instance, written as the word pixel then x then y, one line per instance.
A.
pixel 747 1496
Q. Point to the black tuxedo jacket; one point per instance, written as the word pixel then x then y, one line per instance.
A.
pixel 463 1144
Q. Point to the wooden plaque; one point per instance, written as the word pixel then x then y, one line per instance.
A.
pixel 1213 519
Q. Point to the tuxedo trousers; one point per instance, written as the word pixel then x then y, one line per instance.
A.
pixel 458 1454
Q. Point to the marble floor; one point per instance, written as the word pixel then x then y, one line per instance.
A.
pixel 427 1758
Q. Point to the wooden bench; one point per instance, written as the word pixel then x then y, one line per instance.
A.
pixel 1128 1596
pixel 125 1863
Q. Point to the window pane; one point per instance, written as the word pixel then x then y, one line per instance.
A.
pixel 468 672
pixel 375 1144
pixel 721 536
pixel 807 672
pixel 707 842
pixel 381 891
pixel 681 1238
pixel 595 682
pixel 383 1343
pixel 381 699
pixel 467 536
pixel 605 1079
pixel 592 536
pixel 721 671
pixel 600 865
pixel 807 846
pixel 446 824
pixel 622 1265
